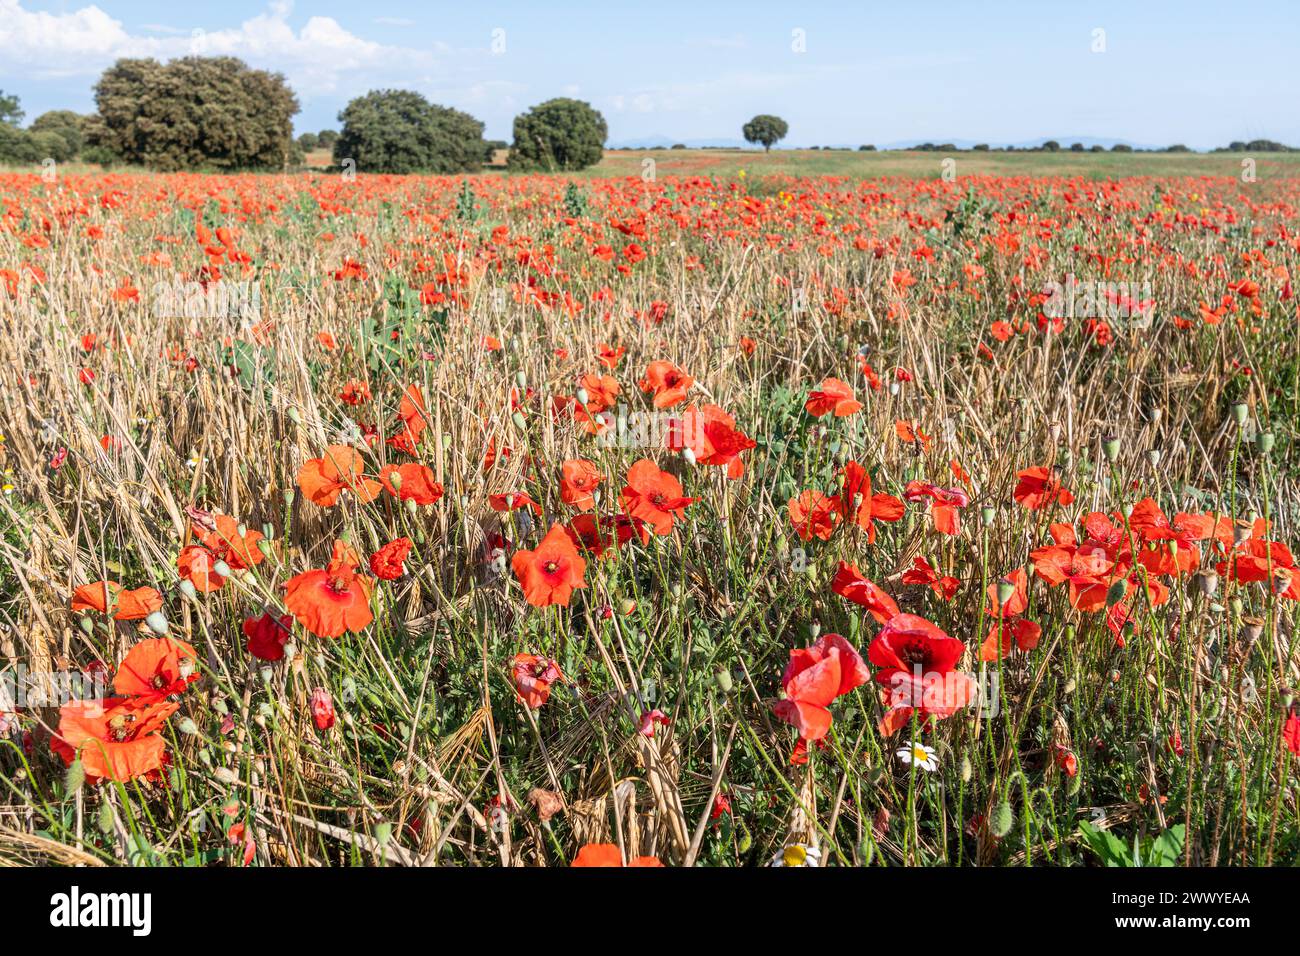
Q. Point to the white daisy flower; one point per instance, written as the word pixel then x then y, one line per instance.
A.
pixel 920 756
pixel 798 854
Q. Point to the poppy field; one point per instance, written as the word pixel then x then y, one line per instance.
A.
pixel 714 520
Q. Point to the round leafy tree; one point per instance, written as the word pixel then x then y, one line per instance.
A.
pixel 399 131
pixel 559 134
pixel 765 129
pixel 194 112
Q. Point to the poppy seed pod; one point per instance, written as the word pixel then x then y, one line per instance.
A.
pixel 988 514
pixel 1006 589
pixel 1207 581
pixel 1239 413
pixel 1264 442
pixel 1251 628
pixel 1110 448
pixel 186 725
pixel 1242 529
pixel 1281 580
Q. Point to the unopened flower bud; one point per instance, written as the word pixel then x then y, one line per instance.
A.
pixel 157 623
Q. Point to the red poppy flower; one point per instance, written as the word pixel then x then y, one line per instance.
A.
pixel 1019 633
pixel 413 419
pixel 607 854
pixel 550 573
pixel 116 738
pixel 579 479
pixel 267 635
pixel 653 496
pixel 815 515
pixel 513 501
pixel 415 482
pixel 945 505
pixel 322 709
pixel 602 391
pixel 323 479
pixel 387 563
pixel 832 395
pixel 918 661
pixel 711 437
pixel 813 678
pixel 126 605
pixel 849 583
pixel 158 667
pixel 334 600
pixel 608 355
pixel 222 535
pixel 1040 487
pixel 668 382
pixel 533 676
pixel 922 573
pixel 195 564
pixel 864 507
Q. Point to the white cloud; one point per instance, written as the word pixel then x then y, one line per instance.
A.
pixel 316 58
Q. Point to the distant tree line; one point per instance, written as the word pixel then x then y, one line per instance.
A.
pixel 216 113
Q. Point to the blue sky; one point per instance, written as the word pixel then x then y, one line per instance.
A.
pixel 1194 72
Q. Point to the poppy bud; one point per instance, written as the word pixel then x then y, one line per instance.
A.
pixel 1002 820
pixel 725 683
pixel 1115 593
pixel 626 606
pixel 157 623
pixel 521 378
pixel 1110 448
pixel 395 479
pixel 582 396
pixel 87 624
pixel 966 769
pixel 187 726
pixel 518 419
pixel 295 416
pixel 1153 457
pixel 221 569
pixel 689 456
pixel 264 545
pixel 189 590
